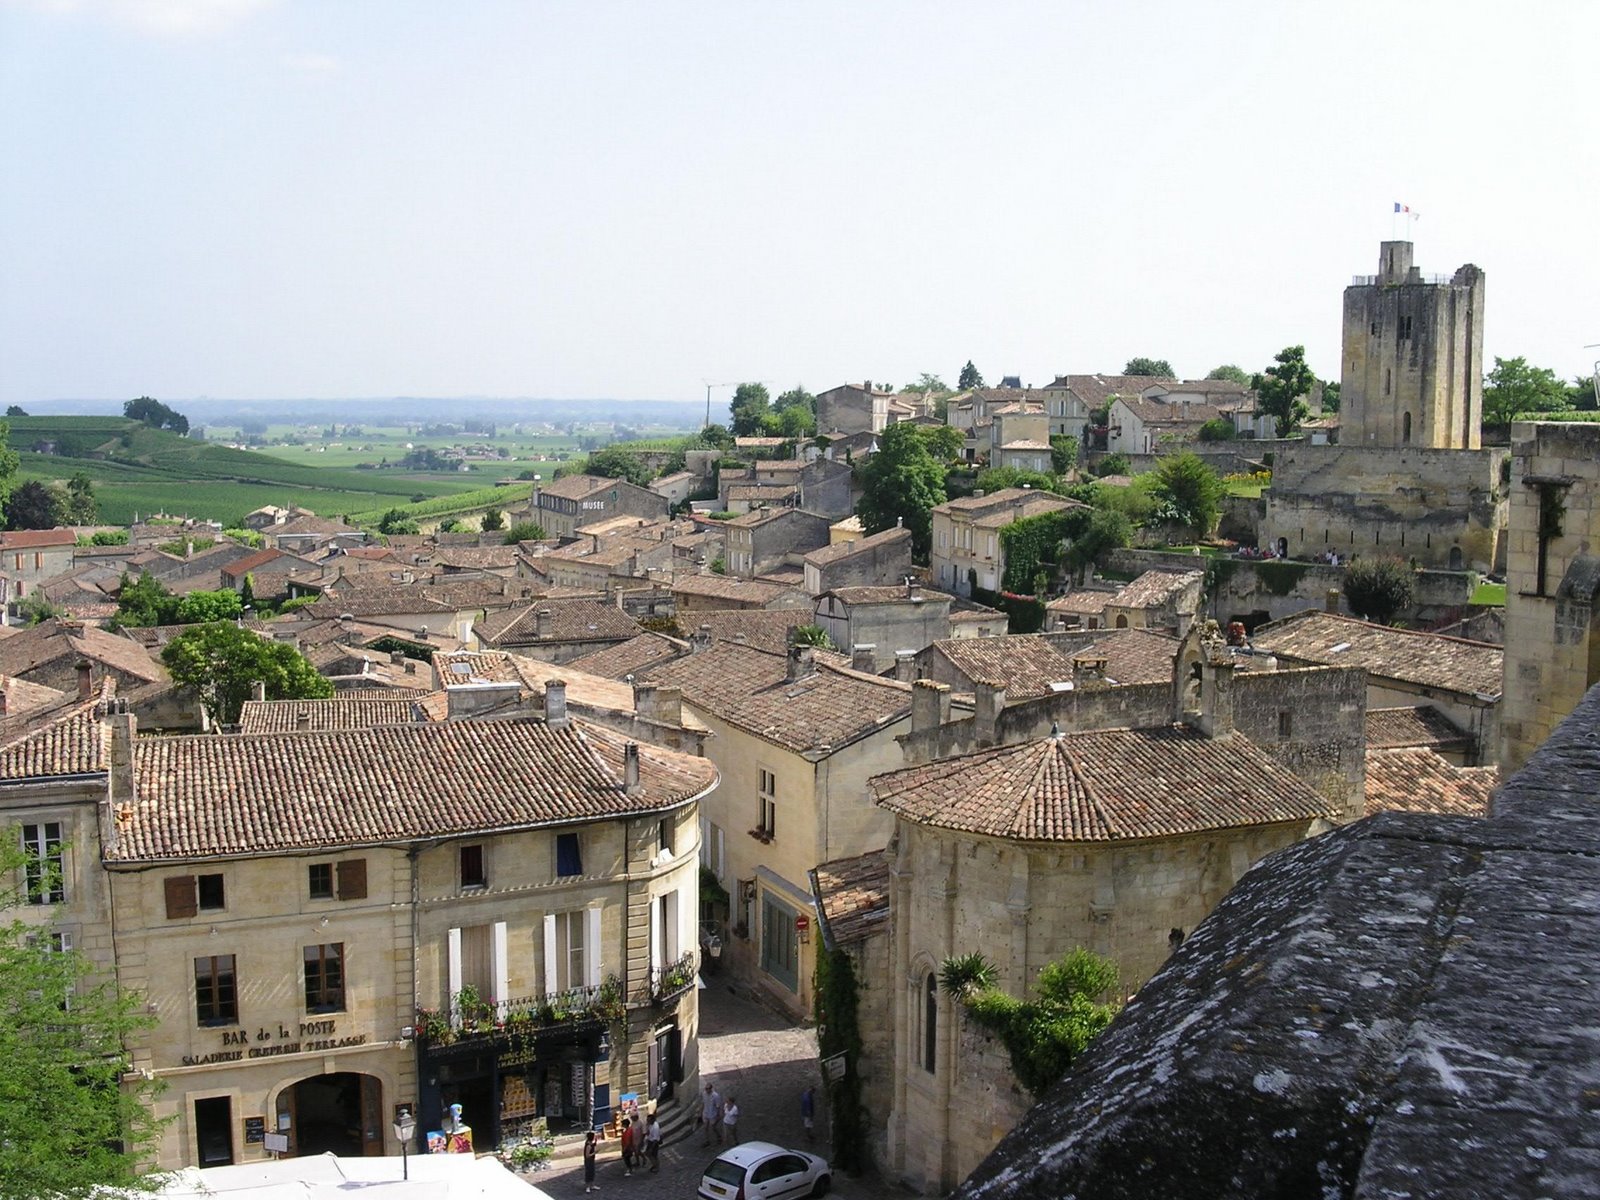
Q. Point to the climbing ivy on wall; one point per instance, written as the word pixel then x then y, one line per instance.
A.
pixel 839 1032
pixel 1030 543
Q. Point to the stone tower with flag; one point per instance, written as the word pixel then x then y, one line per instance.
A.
pixel 1411 372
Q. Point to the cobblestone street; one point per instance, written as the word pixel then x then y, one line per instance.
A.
pixel 749 1053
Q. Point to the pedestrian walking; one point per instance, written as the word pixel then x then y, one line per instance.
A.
pixel 590 1149
pixel 711 1116
pixel 808 1111
pixel 630 1145
pixel 652 1143
pixel 730 1121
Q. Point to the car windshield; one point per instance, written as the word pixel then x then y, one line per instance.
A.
pixel 725 1172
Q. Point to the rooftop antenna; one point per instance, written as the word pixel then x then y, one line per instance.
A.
pixel 1595 377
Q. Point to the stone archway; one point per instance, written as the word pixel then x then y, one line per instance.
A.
pixel 339 1113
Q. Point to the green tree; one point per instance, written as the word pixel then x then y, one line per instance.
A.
pixel 1378 588
pixel 902 482
pixel 197 608
pixel 397 521
pixel 926 382
pixel 796 422
pixel 1231 373
pixel 616 463
pixel 993 479
pixel 156 415
pixel 748 408
pixel 1042 1035
pixel 1218 429
pixel 716 437
pixel 524 531
pixel 796 397
pixel 1063 453
pixel 16 410
pixel 81 507
pixel 1582 394
pixel 813 635
pixel 1514 388
pixel 1330 397
pixel 970 378
pixel 34 505
pixel 493 519
pixel 1159 367
pixel 1115 463
pixel 943 441
pixel 1280 389
pixel 1095 536
pixel 1188 493
pixel 76 1116
pixel 222 660
pixel 145 601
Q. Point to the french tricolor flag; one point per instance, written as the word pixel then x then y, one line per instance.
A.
pixel 1406 208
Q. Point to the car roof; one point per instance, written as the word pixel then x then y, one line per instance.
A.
pixel 746 1153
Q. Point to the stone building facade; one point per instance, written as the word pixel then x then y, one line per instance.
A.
pixel 327 926
pixel 1411 373
pixel 1552 640
pixel 1408 477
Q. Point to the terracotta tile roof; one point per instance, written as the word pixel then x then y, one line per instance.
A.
pixel 569 621
pixel 1102 786
pixel 253 562
pixel 1025 663
pixel 206 796
pixel 1036 504
pixel 1209 387
pixel 72 740
pixel 1424 725
pixel 763 628
pixel 360 709
pixel 1416 779
pixel 818 713
pixel 478 558
pixel 887 594
pixel 37 539
pixel 757 516
pixel 577 487
pixel 49 641
pixel 728 587
pixel 629 657
pixel 23 698
pixel 842 550
pixel 1025 444
pixel 852 897
pixel 1083 602
pixel 1001 498
pixel 1156 412
pixel 1134 655
pixel 770 493
pixel 1095 390
pixel 1156 587
pixel 1421 659
pixel 321 526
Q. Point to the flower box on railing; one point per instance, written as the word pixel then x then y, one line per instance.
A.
pixel 469 1017
pixel 670 981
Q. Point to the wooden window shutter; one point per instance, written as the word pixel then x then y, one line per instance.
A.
pixel 181 898
pixel 353 879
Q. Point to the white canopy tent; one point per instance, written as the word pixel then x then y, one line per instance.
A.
pixel 329 1177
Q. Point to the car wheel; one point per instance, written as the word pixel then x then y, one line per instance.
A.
pixel 822 1185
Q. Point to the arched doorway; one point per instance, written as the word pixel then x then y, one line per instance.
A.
pixel 1455 558
pixel 340 1114
pixel 1283 547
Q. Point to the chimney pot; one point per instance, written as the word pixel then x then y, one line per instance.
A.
pixel 85 679
pixel 989 701
pixel 801 663
pixel 930 705
pixel 396 657
pixel 905 665
pixel 258 690
pixel 541 623
pixel 555 703
pixel 1216 697
pixel 1330 601
pixel 630 769
pixel 864 657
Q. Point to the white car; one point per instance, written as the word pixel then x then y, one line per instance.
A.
pixel 763 1171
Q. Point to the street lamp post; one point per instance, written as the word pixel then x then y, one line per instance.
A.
pixel 405 1128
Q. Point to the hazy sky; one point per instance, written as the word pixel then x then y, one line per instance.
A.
pixel 295 198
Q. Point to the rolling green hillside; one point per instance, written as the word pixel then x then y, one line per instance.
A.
pixel 139 469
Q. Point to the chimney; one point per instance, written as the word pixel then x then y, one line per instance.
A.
pixel 989 701
pixel 541 623
pixel 411 666
pixel 866 385
pixel 864 657
pixel 977 493
pixel 1330 601
pixel 258 690
pixel 555 703
pixel 85 679
pixel 905 665
pixel 302 718
pixel 630 769
pixel 396 658
pixel 1088 666
pixel 1216 697
pixel 656 703
pixel 930 705
pixel 5 704
pixel 801 663
pixel 1185 619
pixel 124 728
pixel 188 548
pixel 701 639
